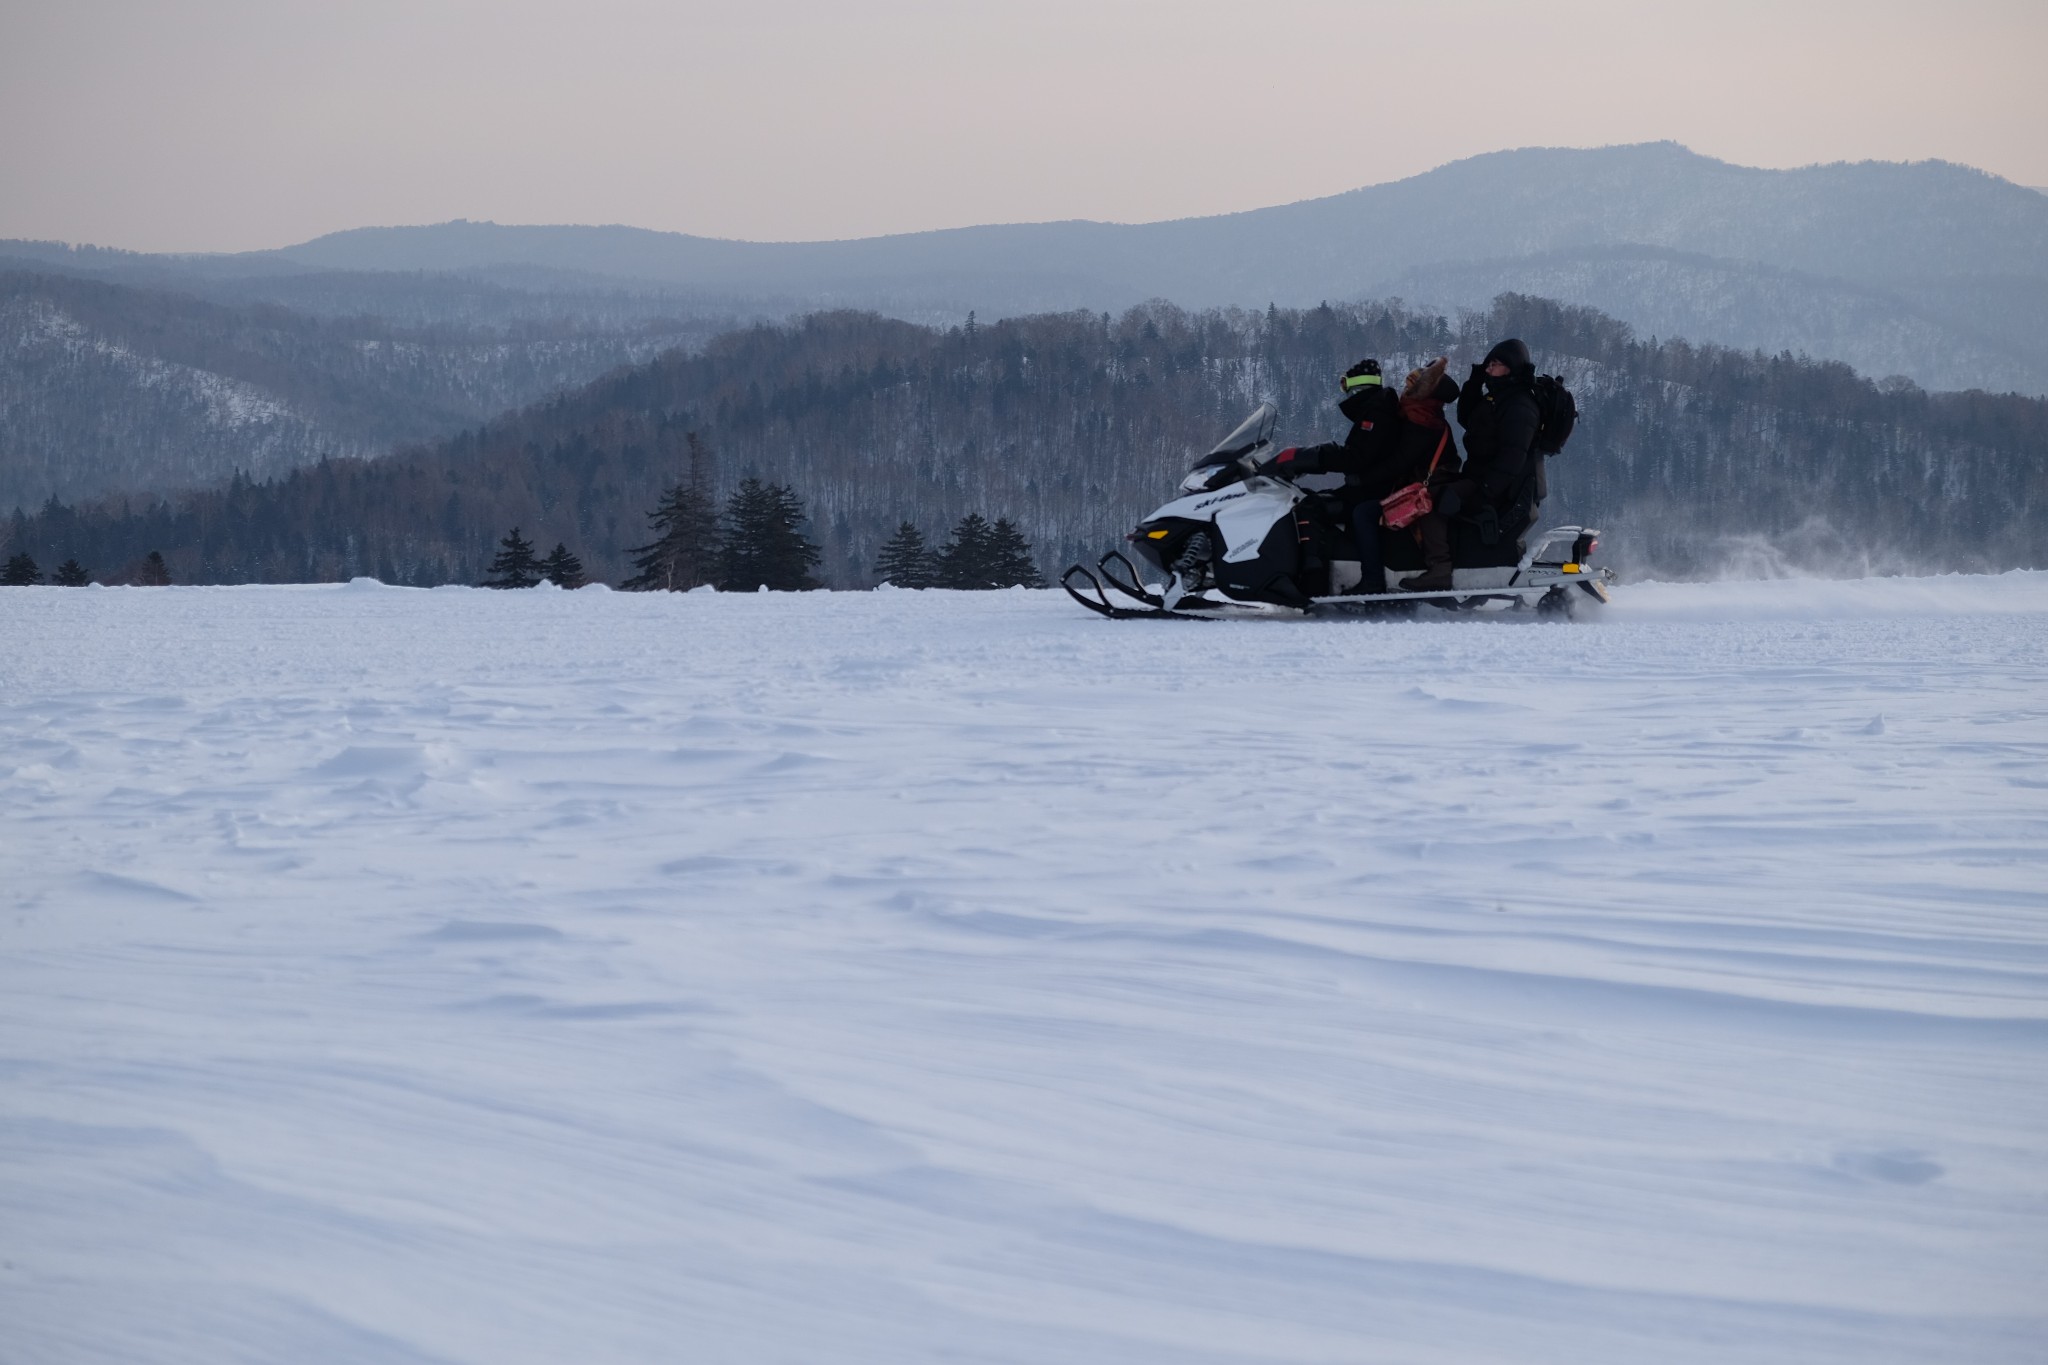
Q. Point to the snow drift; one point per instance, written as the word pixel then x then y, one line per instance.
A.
pixel 442 976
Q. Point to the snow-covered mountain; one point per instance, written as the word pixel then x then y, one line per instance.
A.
pixel 112 389
pixel 1951 334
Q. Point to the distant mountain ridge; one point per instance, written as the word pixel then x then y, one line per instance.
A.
pixel 1930 270
pixel 1873 222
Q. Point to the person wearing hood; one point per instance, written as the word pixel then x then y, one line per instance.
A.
pixel 1497 409
pixel 1366 457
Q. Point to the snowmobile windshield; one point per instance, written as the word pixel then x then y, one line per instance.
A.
pixel 1253 432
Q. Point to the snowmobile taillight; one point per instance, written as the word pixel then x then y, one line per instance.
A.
pixel 1583 547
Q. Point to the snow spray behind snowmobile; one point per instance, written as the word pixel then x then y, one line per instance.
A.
pixel 1242 543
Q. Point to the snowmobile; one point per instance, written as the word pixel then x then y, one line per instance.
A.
pixel 1240 540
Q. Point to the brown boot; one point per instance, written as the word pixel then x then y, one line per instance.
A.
pixel 1435 534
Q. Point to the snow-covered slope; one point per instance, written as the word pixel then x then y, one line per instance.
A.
pixel 1879 332
pixel 414 976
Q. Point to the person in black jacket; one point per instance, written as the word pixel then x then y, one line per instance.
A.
pixel 1500 484
pixel 1374 414
pixel 1370 457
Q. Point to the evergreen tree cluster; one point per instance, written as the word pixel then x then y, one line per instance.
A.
pixel 762 542
pixel 22 571
pixel 517 567
pixel 1076 425
pixel 759 542
pixel 979 556
pixel 563 569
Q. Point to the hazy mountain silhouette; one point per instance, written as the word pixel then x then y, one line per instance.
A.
pixel 1873 222
pixel 1928 269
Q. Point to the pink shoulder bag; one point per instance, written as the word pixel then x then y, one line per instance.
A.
pixel 1411 503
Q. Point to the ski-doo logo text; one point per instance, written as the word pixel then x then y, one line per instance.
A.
pixel 1221 497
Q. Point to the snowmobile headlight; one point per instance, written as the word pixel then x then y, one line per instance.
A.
pixel 1156 535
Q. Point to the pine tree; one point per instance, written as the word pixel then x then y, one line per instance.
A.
pixel 561 568
pixel 762 543
pixel 906 560
pixel 684 552
pixel 966 561
pixel 1010 559
pixel 21 572
pixel 154 572
pixel 71 574
pixel 515 566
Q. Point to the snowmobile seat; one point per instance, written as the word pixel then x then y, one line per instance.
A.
pixel 1469 550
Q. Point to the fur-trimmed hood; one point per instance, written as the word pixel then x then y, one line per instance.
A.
pixel 1430 383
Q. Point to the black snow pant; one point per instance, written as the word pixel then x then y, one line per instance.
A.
pixel 1365 538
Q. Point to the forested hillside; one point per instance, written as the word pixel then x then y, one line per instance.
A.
pixel 1073 425
pixel 109 388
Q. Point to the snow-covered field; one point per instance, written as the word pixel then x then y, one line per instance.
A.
pixel 398 976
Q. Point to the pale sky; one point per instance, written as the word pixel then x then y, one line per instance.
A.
pixel 218 125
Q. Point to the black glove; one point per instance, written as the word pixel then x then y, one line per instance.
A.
pixel 1448 502
pixel 1281 464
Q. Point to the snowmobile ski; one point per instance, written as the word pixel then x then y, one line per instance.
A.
pixel 1116 573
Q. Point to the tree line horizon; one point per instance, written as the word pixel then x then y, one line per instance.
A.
pixel 756 542
pixel 1068 427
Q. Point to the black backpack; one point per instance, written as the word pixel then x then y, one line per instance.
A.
pixel 1558 413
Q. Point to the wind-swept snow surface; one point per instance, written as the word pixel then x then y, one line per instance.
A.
pixel 398 976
